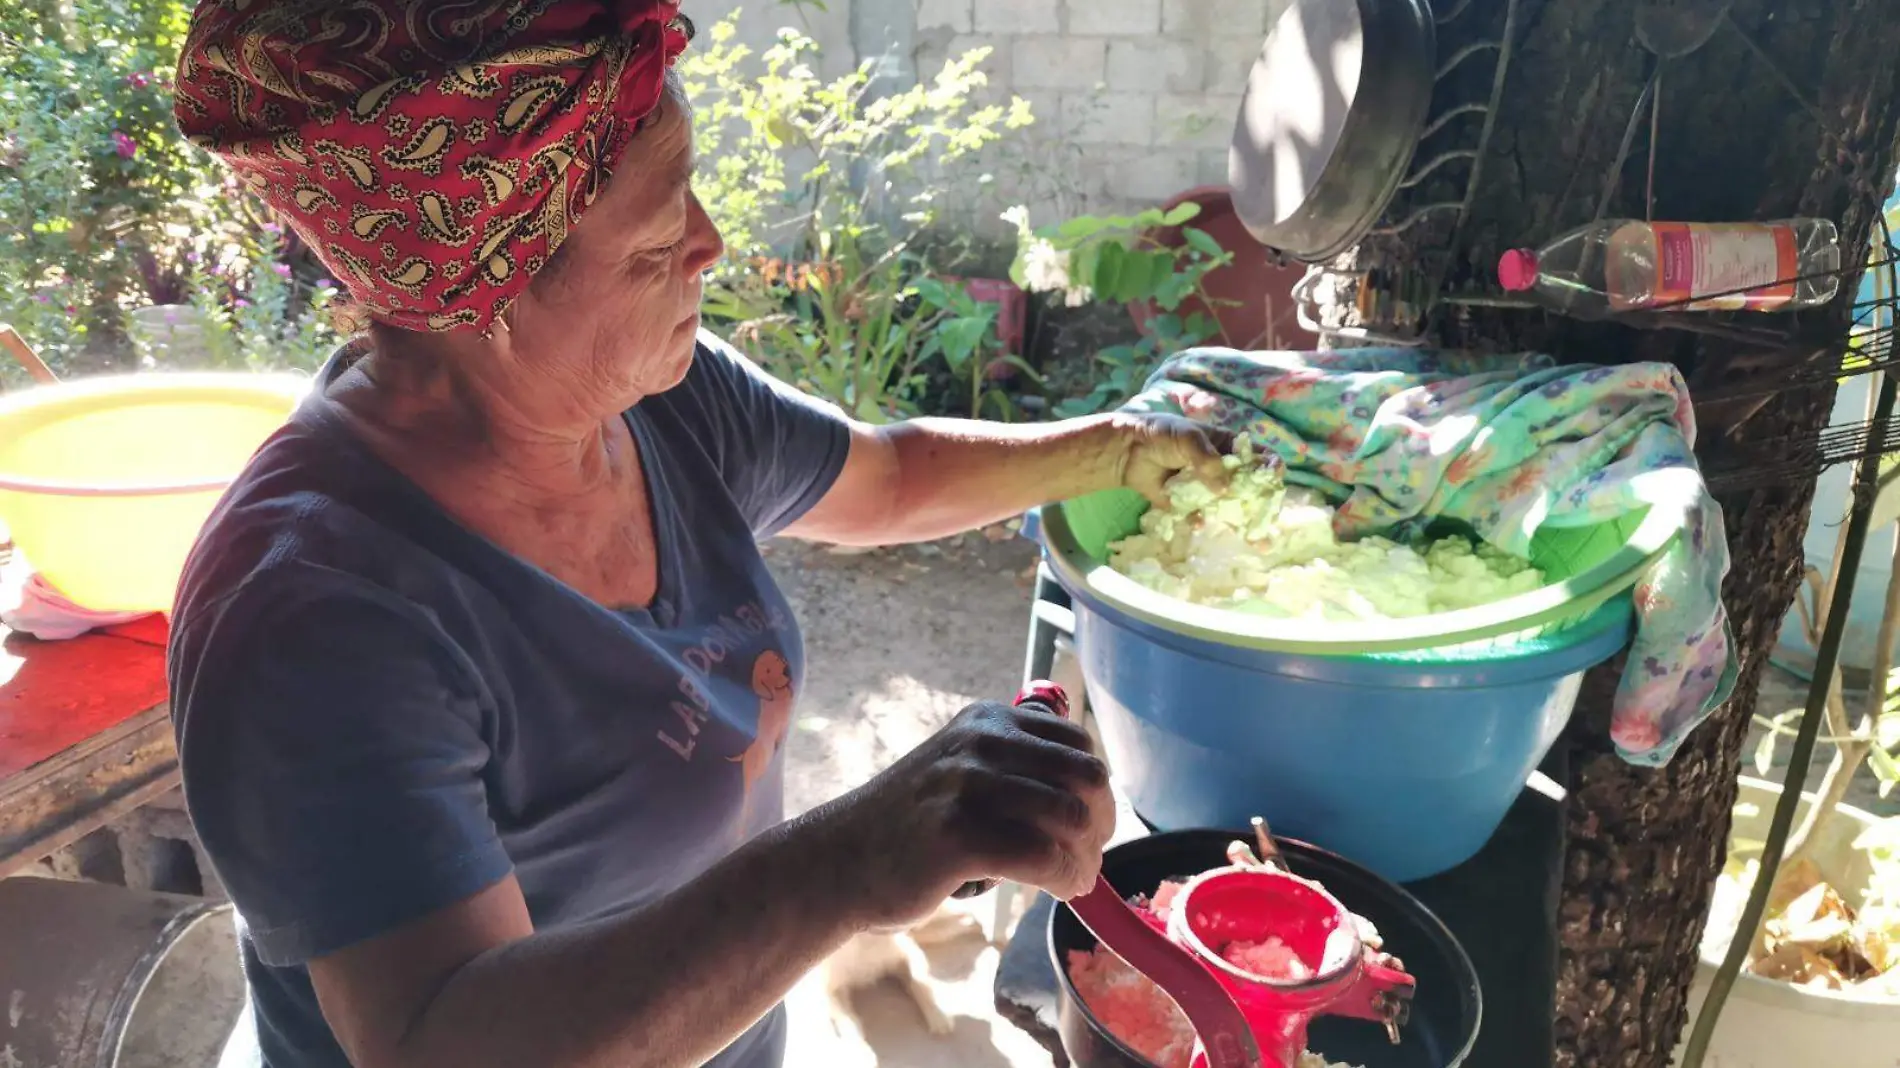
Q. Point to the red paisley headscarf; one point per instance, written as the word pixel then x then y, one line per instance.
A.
pixel 434 153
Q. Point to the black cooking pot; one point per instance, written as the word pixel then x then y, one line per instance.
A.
pixel 1445 1011
pixel 1318 150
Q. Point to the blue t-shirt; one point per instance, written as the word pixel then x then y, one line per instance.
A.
pixel 380 712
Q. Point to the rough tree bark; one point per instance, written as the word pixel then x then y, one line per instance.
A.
pixel 1734 143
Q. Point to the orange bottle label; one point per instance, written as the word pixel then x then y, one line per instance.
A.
pixel 1724 266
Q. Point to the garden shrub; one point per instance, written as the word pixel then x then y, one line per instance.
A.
pixel 104 206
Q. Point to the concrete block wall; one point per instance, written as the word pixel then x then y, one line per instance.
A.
pixel 1134 99
pixel 759 22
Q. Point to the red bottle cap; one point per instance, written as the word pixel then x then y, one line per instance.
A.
pixel 1517 270
pixel 1046 693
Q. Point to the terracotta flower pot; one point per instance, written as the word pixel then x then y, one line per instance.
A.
pixel 1012 307
pixel 1252 298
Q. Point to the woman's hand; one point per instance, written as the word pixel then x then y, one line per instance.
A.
pixel 1000 792
pixel 1149 449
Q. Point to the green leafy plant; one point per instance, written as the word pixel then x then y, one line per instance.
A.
pixel 792 164
pixel 851 332
pixel 1870 741
pixel 271 322
pixel 48 313
pixel 821 189
pixel 966 340
pixel 1127 367
pixel 1115 259
pixel 1882 845
pixel 100 197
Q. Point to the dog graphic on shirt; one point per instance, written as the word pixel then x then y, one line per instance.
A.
pixel 772 682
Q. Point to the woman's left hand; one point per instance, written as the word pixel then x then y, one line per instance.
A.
pixel 1150 449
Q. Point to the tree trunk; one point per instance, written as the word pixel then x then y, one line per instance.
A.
pixel 1734 143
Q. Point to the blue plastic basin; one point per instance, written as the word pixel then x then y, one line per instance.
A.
pixel 1406 764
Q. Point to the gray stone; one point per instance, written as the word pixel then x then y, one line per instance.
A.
pixel 1018 16
pixel 1214 19
pixel 1115 16
pixel 1211 166
pixel 1110 118
pixel 1228 62
pixel 1195 120
pixel 1157 175
pixel 1046 106
pixel 1148 65
pixel 1048 61
pixel 958 15
pixel 997 65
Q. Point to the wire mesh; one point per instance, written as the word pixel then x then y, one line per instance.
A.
pixel 1348 303
pixel 1868 348
pixel 1434 197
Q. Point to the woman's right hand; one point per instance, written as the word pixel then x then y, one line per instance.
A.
pixel 1001 792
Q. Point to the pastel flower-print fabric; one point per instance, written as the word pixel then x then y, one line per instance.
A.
pixel 1508 444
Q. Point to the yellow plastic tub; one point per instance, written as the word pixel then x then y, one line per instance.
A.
pixel 105 482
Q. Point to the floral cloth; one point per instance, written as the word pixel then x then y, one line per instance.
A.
pixel 1507 444
pixel 46 614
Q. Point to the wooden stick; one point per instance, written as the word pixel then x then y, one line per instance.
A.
pixel 23 352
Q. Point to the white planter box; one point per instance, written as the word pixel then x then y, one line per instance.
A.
pixel 168 333
pixel 1769 1024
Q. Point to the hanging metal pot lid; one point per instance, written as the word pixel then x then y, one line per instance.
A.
pixel 1331 116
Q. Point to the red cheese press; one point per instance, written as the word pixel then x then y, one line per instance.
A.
pixel 1244 1020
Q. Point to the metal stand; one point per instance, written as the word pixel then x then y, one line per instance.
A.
pixel 1049 654
pixel 1051 629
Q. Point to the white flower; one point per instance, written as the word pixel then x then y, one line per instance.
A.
pixel 1017 216
pixel 1045 267
pixel 1077 296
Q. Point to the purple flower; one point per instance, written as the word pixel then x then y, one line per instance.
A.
pixel 42 298
pixel 282 269
pixel 138 79
pixel 70 310
pixel 242 303
pixel 123 145
pixel 273 228
pixel 325 283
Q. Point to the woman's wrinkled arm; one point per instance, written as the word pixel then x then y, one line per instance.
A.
pixel 1000 792
pixel 666 986
pixel 929 478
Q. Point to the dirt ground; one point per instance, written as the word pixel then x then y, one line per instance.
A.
pixel 897 642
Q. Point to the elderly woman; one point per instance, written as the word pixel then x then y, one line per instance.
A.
pixel 481 684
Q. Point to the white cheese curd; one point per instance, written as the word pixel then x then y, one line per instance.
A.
pixel 1263 547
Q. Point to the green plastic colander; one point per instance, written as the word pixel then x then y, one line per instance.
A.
pixel 1587 567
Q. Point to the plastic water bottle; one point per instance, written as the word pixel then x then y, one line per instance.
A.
pixel 1618 265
